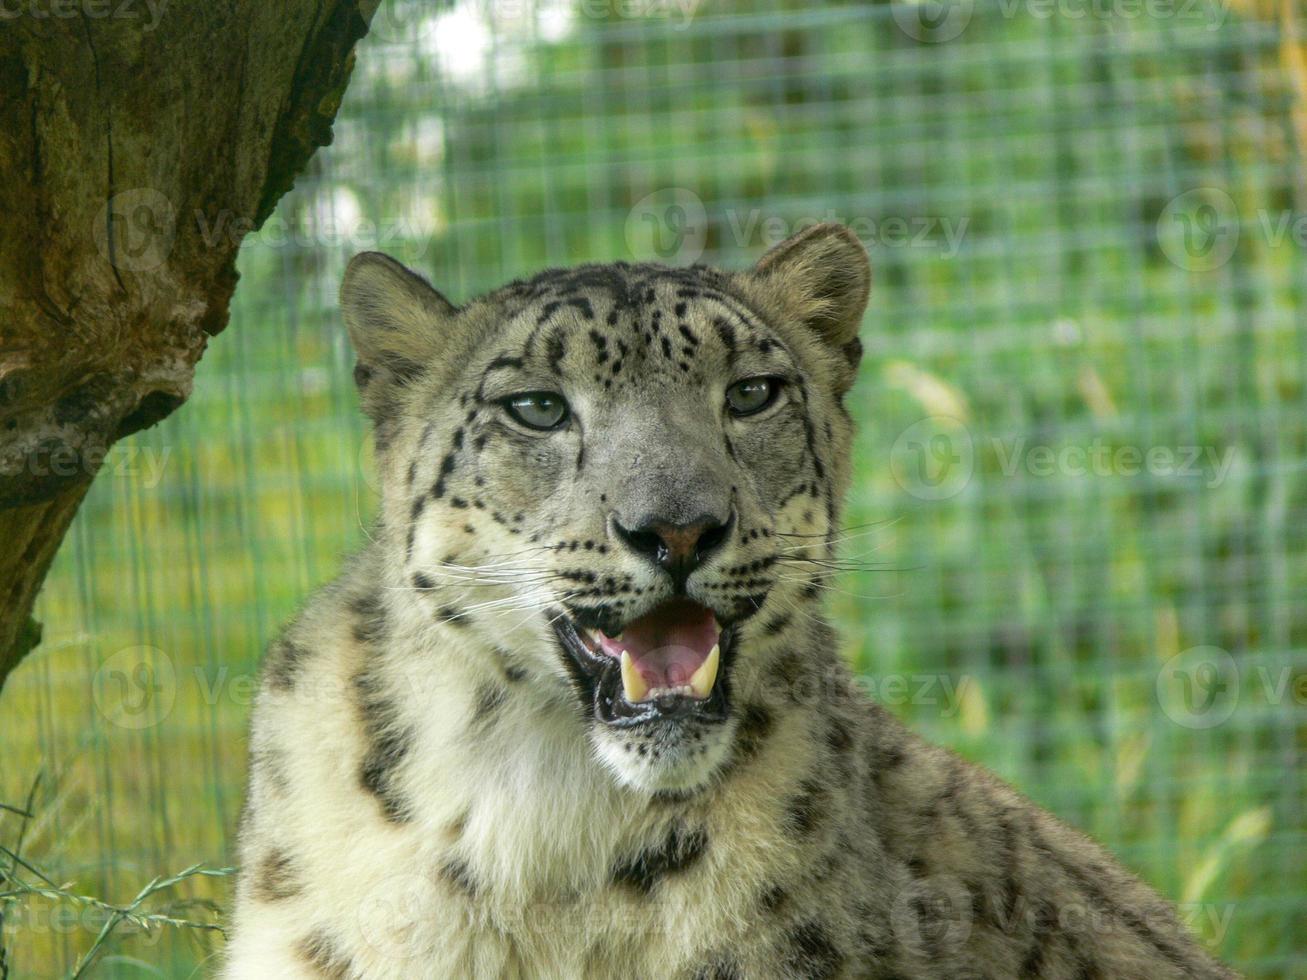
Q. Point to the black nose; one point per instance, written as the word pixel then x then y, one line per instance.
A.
pixel 679 548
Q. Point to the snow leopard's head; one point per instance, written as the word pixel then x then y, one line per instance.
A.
pixel 622 477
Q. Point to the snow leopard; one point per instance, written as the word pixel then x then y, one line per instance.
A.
pixel 576 710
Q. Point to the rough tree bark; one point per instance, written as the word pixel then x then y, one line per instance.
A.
pixel 139 142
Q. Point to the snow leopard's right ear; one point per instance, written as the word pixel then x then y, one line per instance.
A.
pixel 396 322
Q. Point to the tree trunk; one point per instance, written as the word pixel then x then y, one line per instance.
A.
pixel 140 141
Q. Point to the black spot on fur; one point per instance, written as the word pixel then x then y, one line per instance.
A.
pixel 416 508
pixel 422 582
pixel 777 625
pixel 1032 965
pixel 773 899
pixel 489 700
pixel 755 726
pixel 369 617
pixel 458 874
pixel 556 350
pixel 446 468
pixel 271 764
pixel 811 954
pixel 512 671
pixel 321 952
pixel 275 878
pixel 283 664
pixel 838 735
pixel 670 797
pixel 388 745
pixel 451 615
pixel 681 849
pixel 885 759
pixel 726 332
pixel 720 968
pixel 803 811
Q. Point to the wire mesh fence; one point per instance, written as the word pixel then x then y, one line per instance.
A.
pixel 1082 463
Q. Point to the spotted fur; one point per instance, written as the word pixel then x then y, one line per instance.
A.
pixel 431 793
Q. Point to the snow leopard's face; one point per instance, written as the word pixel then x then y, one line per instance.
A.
pixel 618 475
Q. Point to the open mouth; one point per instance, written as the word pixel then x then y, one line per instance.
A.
pixel 669 663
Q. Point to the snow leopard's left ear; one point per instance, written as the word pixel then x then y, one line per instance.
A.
pixel 823 277
pixel 396 322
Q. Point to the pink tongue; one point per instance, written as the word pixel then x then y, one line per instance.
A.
pixel 669 644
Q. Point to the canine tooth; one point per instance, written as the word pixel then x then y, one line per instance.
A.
pixel 633 685
pixel 705 677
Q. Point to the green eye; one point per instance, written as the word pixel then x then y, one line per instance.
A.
pixel 541 410
pixel 752 395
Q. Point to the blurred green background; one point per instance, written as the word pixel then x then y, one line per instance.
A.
pixel 1082 464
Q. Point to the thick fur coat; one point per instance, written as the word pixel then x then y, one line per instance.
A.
pixel 448 778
